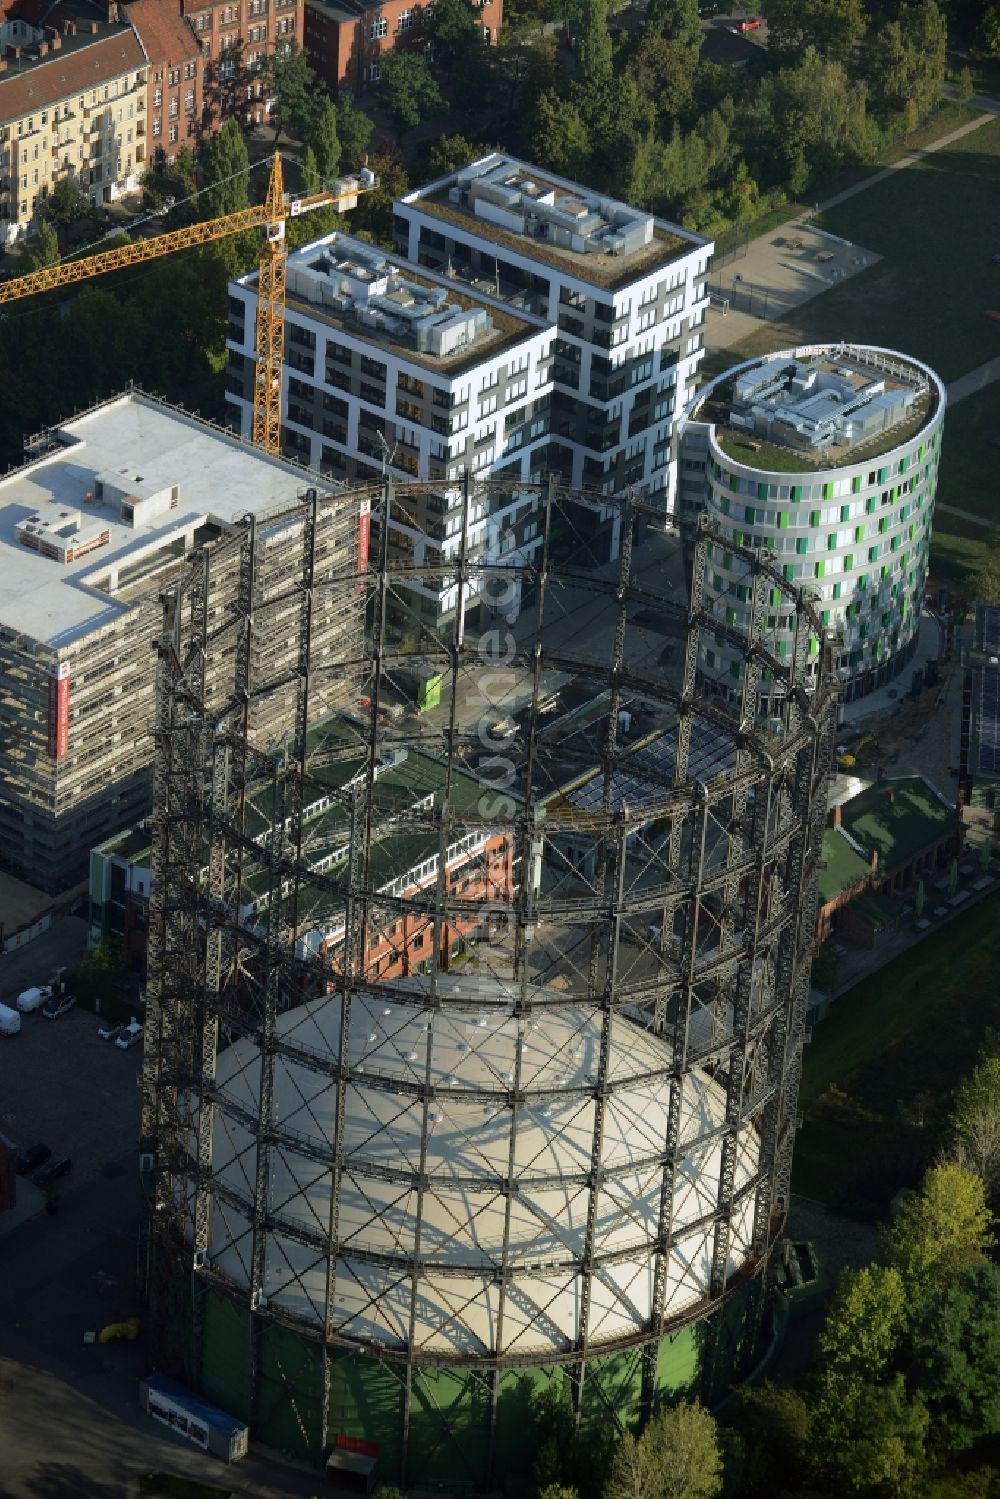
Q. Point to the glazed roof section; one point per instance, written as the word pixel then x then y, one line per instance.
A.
pixel 81 62
pixel 591 237
pixel 217 476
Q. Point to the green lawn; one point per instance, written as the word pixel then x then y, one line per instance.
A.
pixel 936 224
pixel 879 1074
pixel 970 466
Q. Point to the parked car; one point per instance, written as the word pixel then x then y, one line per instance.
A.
pixel 34 998
pixel 10 1021
pixel 52 1171
pixel 58 1005
pixel 32 1158
pixel 131 1034
pixel 110 1030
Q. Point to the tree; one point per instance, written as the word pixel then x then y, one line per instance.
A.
pixel 975 1121
pixel 989 30
pixel 67 203
pixel 830 26
pixel 860 1334
pixel 776 1425
pixel 665 72
pixel 288 79
pixel 449 152
pixel 941 1228
pixel 309 180
pixel 561 141
pixel 557 1491
pixel 373 215
pixel 225 165
pixel 676 1457
pixel 594 52
pixel 907 61
pixel 984 586
pixel 954 1344
pixel 676 21
pixel 102 980
pixel 323 140
pixel 875 1446
pixel 42 250
pixel 354 130
pixel 410 90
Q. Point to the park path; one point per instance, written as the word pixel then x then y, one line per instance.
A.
pixel 989 107
pixel 977 379
pixel 976 520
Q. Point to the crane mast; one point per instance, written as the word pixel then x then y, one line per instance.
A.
pixel 270 329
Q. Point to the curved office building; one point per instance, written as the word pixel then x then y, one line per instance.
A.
pixel 826 457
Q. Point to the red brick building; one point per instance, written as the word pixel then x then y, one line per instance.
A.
pixel 174 106
pixel 235 35
pixel 346 39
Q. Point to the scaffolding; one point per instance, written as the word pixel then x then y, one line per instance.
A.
pixel 473 1033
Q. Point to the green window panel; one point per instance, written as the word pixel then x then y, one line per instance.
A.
pixel 749 514
pixel 885 570
pixel 894 544
pixel 710 657
pixel 831 542
pixel 883 524
pixel 837 590
pixel 782 647
pixel 863 630
pixel 813 645
pixel 789 572
pixel 802 545
pixel 821 569
pixel 730 616
pixel 734 670
pixel 856 484
pixel 727 561
pixel 920 452
pixel 828 491
pixel 873 554
pixel 862 581
pixel 814 516
pixel 741 592
pixel 883 474
pixel 782 520
pixel 724 504
pixel 824 616
pixel 849 562
pixel 904 464
pixel 775 597
pixel 762 491
pixel 796 493
pixel 845 512
pixel 859 533
pixel 870 504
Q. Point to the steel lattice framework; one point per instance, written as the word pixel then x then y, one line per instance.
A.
pixel 474 1034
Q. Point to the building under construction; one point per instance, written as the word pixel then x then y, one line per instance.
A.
pixel 473 1033
pixel 108 510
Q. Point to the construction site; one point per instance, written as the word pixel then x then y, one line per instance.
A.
pixel 475 1008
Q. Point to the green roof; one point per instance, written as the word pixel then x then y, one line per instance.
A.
pixel 134 845
pixel 844 867
pixel 898 819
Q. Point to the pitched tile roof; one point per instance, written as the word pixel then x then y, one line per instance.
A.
pixel 166 36
pixel 69 71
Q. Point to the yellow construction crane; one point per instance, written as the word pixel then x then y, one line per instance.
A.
pixel 270 331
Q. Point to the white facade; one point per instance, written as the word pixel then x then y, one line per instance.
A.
pixel 624 294
pixel 827 457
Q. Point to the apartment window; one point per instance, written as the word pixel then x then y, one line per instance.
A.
pixel 374 71
pixel 172 137
pixel 405 20
pixel 379 27
pixel 157 125
pixel 175 77
pixel 157 98
pixel 201 22
pixel 230 13
pixel 287 24
pixel 175 107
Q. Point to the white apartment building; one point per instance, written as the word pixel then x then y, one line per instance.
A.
pixel 398 370
pixel 73 104
pixel 624 294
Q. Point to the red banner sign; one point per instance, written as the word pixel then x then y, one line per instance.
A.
pixel 364 539
pixel 59 711
pixel 357 1444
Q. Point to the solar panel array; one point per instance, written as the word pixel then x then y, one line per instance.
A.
pixel 651 770
pixel 988 716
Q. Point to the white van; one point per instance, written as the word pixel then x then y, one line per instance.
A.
pixel 33 999
pixel 10 1021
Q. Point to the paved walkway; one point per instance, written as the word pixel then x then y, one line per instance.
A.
pixel 969 515
pixel 989 107
pixel 977 379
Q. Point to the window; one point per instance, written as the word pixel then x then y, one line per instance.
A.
pixel 174 110
pixel 157 125
pixel 374 71
pixel 175 77
pixel 379 27
pixel 201 22
pixel 405 20
pixel 173 135
pixel 189 101
pixel 157 98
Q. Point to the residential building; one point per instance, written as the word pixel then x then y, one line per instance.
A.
pixel 175 75
pixel 120 881
pixel 826 457
pixel 346 40
pixel 235 36
pixel 72 104
pixel 93 530
pixel 624 293
pixel 393 369
pixel 878 844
